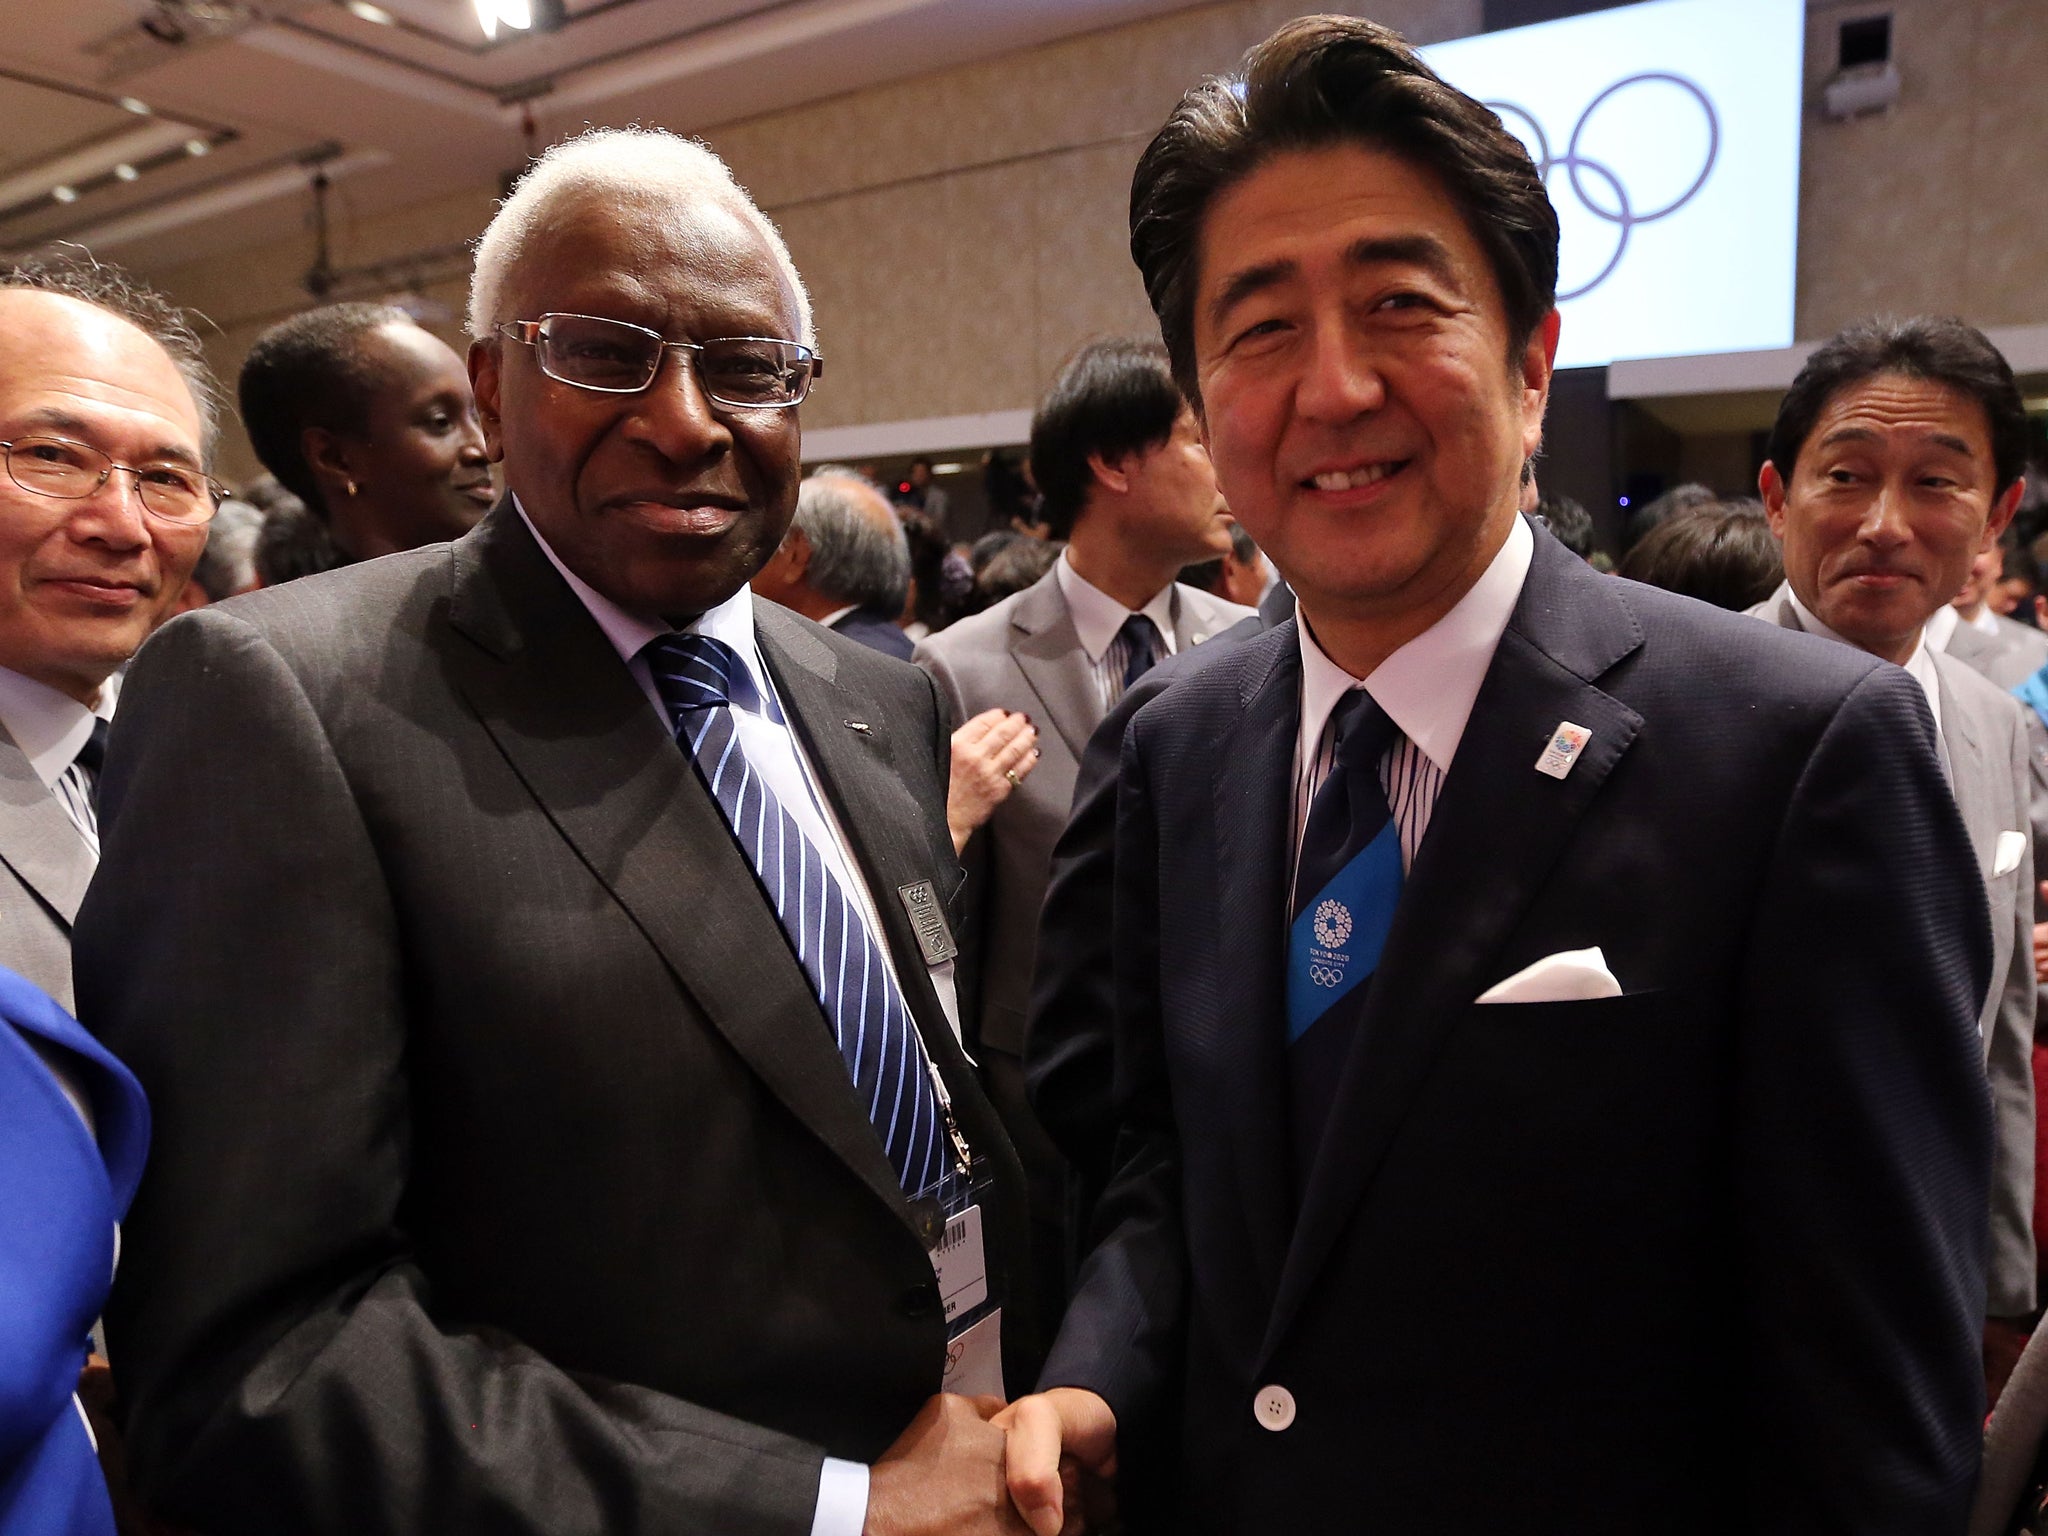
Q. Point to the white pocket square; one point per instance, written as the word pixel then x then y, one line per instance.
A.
pixel 2007 859
pixel 1570 976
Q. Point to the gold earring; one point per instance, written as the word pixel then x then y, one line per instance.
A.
pixel 351 487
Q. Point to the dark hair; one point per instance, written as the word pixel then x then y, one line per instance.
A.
pixel 310 371
pixel 1720 552
pixel 1322 81
pixel 294 543
pixel 108 287
pixel 1569 523
pixel 1111 398
pixel 2017 563
pixel 1655 512
pixel 1204 576
pixel 988 546
pixel 1013 568
pixel 1940 349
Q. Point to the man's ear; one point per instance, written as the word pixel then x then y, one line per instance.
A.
pixel 485 360
pixel 1770 485
pixel 1114 476
pixel 2002 511
pixel 1539 360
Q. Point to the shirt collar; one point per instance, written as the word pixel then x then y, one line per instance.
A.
pixel 1920 665
pixel 731 621
pixel 1098 616
pixel 1942 625
pixel 1429 685
pixel 49 726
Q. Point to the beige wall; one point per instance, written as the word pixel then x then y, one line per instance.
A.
pixel 962 231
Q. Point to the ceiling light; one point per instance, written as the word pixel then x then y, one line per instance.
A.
pixel 125 172
pixel 64 194
pixel 369 12
pixel 516 14
pixel 134 104
pixel 197 147
pixel 141 145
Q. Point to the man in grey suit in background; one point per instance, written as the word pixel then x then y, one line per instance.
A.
pixel 1895 460
pixel 1117 455
pixel 2004 650
pixel 106 423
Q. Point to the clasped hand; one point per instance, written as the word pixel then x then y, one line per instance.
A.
pixel 1045 1464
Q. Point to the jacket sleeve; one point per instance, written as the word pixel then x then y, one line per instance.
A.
pixel 280 1357
pixel 1122 1336
pixel 1861 1139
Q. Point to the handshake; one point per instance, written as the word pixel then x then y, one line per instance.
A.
pixel 1044 1464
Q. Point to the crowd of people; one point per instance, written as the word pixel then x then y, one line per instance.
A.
pixel 596 981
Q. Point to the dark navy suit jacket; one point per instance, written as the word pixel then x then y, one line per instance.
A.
pixel 876 631
pixel 1703 1258
pixel 62 1188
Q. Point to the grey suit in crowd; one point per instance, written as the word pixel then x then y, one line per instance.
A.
pixel 1025 654
pixel 2008 658
pixel 1984 748
pixel 44 868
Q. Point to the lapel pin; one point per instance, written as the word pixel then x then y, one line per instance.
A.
pixel 1563 749
pixel 861 726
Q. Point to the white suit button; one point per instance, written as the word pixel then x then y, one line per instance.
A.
pixel 1273 1407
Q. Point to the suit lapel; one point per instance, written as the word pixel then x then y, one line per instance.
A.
pixel 1048 651
pixel 37 840
pixel 1253 789
pixel 1494 837
pixel 567 715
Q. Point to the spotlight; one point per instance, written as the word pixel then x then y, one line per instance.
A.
pixel 516 14
pixel 134 104
pixel 65 194
pixel 125 172
pixel 369 12
pixel 197 147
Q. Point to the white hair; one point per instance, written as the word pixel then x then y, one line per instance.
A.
pixel 629 163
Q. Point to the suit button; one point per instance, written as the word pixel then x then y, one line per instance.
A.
pixel 919 1301
pixel 1273 1407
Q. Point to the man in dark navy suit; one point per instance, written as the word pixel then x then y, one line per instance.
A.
pixel 1544 1009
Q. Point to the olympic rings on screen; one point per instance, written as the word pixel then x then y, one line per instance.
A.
pixel 1618 209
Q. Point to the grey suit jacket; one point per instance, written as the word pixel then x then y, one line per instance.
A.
pixel 44 868
pixel 1984 748
pixel 1025 654
pixel 507 1174
pixel 2008 658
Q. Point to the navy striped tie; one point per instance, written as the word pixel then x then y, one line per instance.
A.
pixel 699 679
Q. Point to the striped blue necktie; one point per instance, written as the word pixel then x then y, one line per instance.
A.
pixel 1345 891
pixel 700 679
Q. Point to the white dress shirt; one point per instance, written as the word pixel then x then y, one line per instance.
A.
pixel 1427 688
pixel 773 751
pixel 1920 663
pixel 1099 619
pixel 51 728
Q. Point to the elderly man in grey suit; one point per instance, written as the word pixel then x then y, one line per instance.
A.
pixel 590 1148
pixel 1119 459
pixel 1895 459
pixel 106 420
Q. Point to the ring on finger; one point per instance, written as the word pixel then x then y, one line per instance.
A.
pixel 1011 775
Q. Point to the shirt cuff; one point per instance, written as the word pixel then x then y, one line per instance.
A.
pixel 842 1499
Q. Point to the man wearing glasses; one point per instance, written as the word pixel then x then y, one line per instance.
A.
pixel 588 1146
pixel 105 424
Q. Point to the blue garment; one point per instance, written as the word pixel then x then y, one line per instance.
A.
pixel 60 1194
pixel 2034 694
pixel 1345 892
pixel 700 679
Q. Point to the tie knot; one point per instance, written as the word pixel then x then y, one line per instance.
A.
pixel 94 752
pixel 698 672
pixel 1363 730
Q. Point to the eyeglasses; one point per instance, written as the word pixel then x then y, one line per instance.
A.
pixel 615 358
pixel 56 466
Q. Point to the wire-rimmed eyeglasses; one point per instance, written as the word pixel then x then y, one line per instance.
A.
pixel 69 471
pixel 614 357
